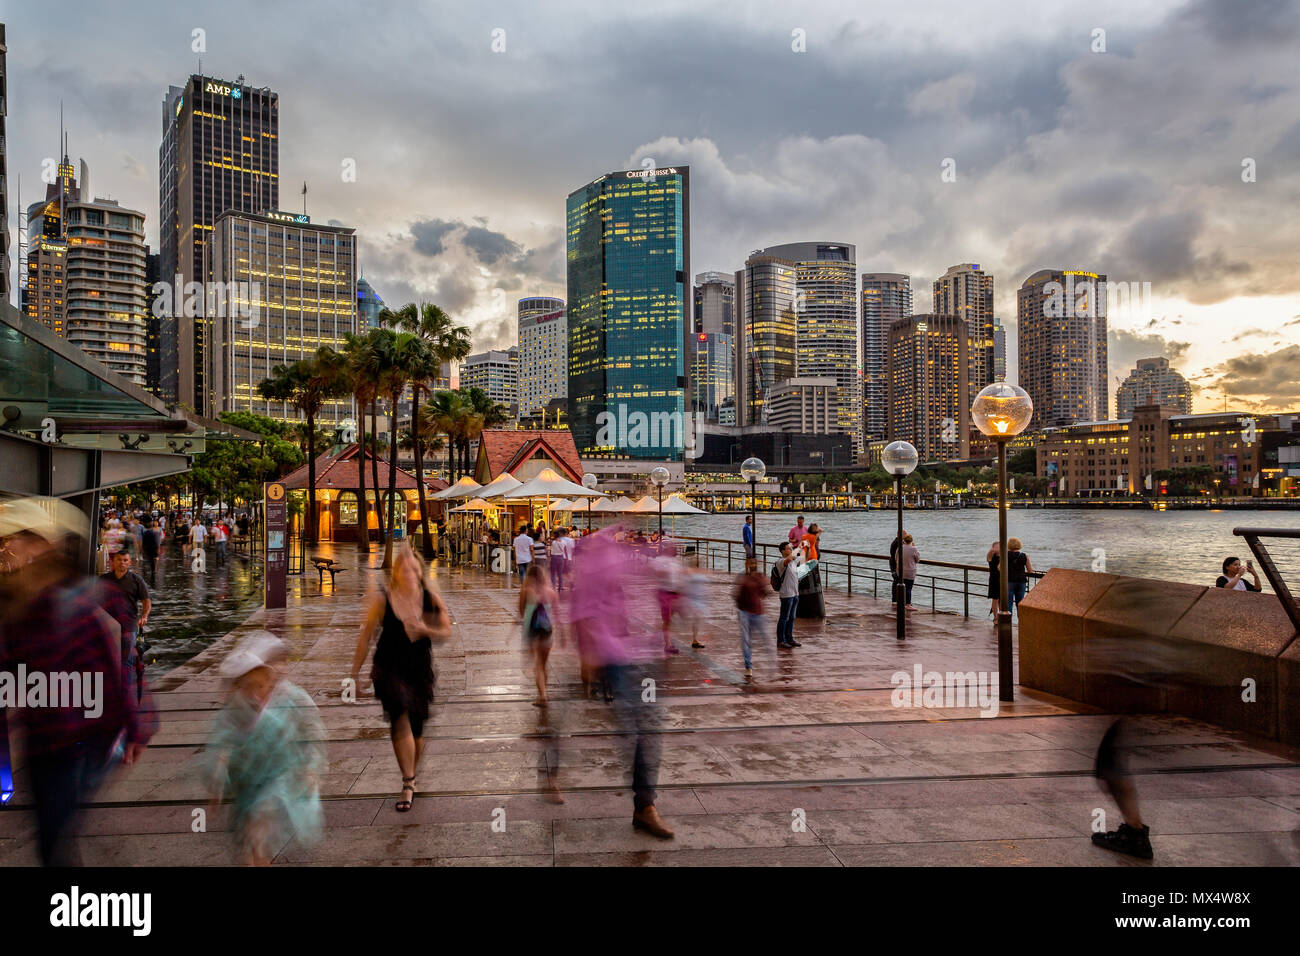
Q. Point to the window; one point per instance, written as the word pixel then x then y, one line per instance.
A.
pixel 348 508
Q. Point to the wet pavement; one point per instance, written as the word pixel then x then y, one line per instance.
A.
pixel 812 764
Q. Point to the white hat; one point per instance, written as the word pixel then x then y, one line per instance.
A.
pixel 255 649
pixel 51 518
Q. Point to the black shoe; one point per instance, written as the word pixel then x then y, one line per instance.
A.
pixel 794 644
pixel 783 644
pixel 1126 839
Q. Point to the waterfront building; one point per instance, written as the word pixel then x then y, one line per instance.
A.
pixel 805 404
pixel 628 248
pixel 496 372
pixel 1118 456
pixel 1061 346
pixel 47 256
pixel 929 369
pixel 966 291
pixel 288 287
pixel 220 153
pixel 1153 382
pixel 886 298
pixel 543 353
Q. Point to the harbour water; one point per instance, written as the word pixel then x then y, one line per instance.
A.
pixel 1186 546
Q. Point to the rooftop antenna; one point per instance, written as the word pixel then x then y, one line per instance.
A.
pixel 304 197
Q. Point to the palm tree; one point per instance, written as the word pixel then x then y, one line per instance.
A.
pixel 306 385
pixel 487 414
pixel 363 368
pixel 408 358
pixel 448 413
pixel 446 342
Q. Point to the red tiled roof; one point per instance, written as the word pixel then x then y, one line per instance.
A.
pixel 340 472
pixel 505 450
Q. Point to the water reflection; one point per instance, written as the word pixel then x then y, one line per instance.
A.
pixel 192 609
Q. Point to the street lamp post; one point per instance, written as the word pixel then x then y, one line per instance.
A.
pixel 899 459
pixel 752 469
pixel 1001 411
pixel 589 482
pixel 659 478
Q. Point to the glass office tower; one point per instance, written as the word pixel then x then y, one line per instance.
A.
pixel 628 300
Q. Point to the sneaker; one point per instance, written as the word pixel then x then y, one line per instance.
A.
pixel 1126 839
pixel 648 819
pixel 696 644
pixel 749 675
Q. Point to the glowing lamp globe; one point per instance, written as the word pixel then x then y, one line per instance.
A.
pixel 1002 410
pixel 752 469
pixel 589 481
pixel 659 476
pixel 899 458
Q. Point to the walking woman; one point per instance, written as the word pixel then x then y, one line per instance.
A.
pixel 409 616
pixel 995 586
pixel 537 606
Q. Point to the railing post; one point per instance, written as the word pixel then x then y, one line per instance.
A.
pixel 965 591
pixel 850 574
pixel 932 594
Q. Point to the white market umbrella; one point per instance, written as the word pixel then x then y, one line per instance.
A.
pixel 561 505
pixel 674 505
pixel 548 483
pixel 477 504
pixel 649 505
pixel 464 488
pixel 499 485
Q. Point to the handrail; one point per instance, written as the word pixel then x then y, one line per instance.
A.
pixel 1252 536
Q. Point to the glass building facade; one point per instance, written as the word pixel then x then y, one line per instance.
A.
pixel 543 353
pixel 765 339
pixel 369 305
pixel 886 298
pixel 713 373
pixel 629 297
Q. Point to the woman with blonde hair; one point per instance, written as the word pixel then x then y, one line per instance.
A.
pixel 408 615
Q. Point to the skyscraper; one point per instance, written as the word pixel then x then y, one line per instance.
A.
pixel 543 353
pixel 886 298
pixel 496 372
pixel 106 297
pixel 629 309
pixel 1061 346
pixel 966 291
pixel 767 327
pixel 47 253
pixel 287 287
pixel 929 371
pixel 713 373
pixel 369 305
pixel 153 324
pixel 824 307
pixel 220 152
pixel 1153 382
pixel 715 303
pixel 999 350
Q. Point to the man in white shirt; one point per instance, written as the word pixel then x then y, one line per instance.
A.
pixel 198 534
pixel 788 564
pixel 523 552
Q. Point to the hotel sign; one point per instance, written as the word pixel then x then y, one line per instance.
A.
pixel 288 216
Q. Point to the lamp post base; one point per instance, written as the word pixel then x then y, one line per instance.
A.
pixel 1006 679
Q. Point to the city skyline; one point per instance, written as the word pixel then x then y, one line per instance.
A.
pixel 1057 179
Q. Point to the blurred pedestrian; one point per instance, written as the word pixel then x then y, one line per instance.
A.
pixel 266 752
pixel 54 625
pixel 909 560
pixel 129 605
pixel 993 558
pixel 668 590
pixel 523 545
pixel 408 615
pixel 1132 837
pixel 558 558
pixel 538 604
pixel 748 594
pixel 600 616
pixel 150 544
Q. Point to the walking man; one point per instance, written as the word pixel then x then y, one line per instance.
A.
pixel 748 537
pixel 786 572
pixel 130 607
pixel 523 552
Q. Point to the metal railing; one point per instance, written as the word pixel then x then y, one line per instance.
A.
pixel 1269 567
pixel 950 585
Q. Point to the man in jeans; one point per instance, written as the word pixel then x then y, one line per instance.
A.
pixel 523 552
pixel 789 576
pixel 747 536
pixel 127 601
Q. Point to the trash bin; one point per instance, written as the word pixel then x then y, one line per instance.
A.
pixel 811 601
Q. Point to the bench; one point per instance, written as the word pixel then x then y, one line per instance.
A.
pixel 326 564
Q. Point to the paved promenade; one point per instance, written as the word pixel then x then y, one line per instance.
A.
pixel 814 739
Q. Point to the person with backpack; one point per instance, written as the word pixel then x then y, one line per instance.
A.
pixel 749 610
pixel 785 581
pixel 537 605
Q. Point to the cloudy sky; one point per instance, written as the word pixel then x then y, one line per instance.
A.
pixel 1106 136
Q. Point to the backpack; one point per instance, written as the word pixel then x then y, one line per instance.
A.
pixel 777 577
pixel 541 623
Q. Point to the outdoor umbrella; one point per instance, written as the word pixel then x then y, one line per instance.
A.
pixel 465 488
pixel 546 483
pixel 499 485
pixel 562 505
pixel 475 504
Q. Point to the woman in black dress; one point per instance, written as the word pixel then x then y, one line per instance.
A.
pixel 995 585
pixel 409 616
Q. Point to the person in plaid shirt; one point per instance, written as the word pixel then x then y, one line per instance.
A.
pixel 54 624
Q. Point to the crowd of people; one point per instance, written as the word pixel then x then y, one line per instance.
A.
pixel 592 591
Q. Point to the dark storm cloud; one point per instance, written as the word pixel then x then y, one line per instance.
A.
pixel 1275 377
pixel 1246 22
pixel 429 235
pixel 489 247
pixel 1125 348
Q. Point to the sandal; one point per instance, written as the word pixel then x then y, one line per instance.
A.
pixel 403 805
